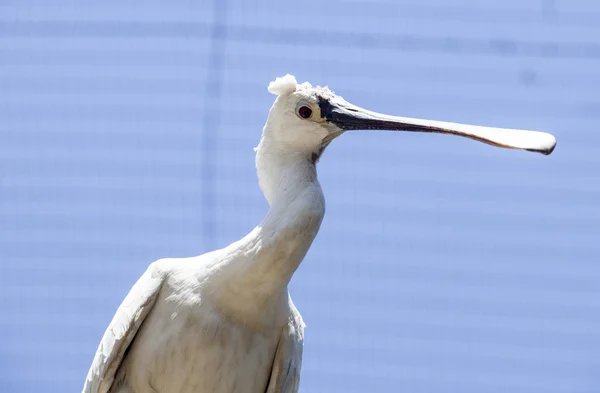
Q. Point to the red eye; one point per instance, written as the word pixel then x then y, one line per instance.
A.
pixel 305 112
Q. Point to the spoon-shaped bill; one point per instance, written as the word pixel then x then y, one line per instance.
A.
pixel 350 117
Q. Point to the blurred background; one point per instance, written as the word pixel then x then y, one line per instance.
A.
pixel 443 265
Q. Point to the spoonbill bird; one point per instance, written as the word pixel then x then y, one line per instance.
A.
pixel 223 322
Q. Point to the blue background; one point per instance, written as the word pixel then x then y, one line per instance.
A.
pixel 442 265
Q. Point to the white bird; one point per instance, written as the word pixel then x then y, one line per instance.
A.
pixel 224 322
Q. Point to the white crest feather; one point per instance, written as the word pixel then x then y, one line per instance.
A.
pixel 283 85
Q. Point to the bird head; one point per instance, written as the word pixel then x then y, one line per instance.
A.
pixel 306 119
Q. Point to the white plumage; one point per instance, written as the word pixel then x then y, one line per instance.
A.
pixel 224 322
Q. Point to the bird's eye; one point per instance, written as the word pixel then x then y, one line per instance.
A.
pixel 305 112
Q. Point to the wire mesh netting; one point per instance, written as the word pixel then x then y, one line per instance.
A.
pixel 127 132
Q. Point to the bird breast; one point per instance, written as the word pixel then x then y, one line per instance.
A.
pixel 189 347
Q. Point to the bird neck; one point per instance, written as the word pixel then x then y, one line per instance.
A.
pixel 283 172
pixel 252 280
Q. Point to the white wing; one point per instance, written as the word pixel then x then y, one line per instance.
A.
pixel 285 375
pixel 121 331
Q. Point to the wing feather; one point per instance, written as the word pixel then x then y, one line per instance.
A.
pixel 285 375
pixel 122 330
